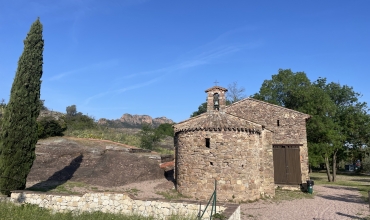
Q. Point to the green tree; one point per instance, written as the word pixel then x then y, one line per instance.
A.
pixel 350 117
pixel 149 136
pixel 201 109
pixel 43 107
pixel 71 110
pixel 2 110
pixel 285 89
pixel 165 129
pixel 338 119
pixel 2 106
pixel 77 120
pixel 322 132
pixel 19 136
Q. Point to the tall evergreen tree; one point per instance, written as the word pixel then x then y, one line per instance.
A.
pixel 19 129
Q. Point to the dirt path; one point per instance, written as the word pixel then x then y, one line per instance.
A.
pixel 330 202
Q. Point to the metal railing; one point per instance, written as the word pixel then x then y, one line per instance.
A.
pixel 213 199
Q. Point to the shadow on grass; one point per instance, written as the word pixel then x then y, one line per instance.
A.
pixel 316 178
pixel 60 177
pixel 341 187
pixel 361 180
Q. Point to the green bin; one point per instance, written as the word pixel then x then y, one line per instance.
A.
pixel 310 184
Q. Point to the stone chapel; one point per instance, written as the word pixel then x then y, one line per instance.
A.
pixel 249 147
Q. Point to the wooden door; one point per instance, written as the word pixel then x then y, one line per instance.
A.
pixel 287 165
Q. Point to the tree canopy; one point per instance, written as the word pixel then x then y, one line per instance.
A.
pixel 338 118
pixel 201 109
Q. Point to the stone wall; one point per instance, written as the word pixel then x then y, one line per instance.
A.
pixel 240 161
pixel 222 98
pixel 289 126
pixel 119 203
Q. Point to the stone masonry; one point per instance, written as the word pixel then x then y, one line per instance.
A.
pixel 234 146
pixel 119 203
pixel 288 126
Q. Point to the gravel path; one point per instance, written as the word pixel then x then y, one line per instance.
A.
pixel 330 202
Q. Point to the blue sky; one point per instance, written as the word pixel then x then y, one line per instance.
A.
pixel 157 57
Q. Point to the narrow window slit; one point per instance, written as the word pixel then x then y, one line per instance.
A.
pixel 278 123
pixel 208 144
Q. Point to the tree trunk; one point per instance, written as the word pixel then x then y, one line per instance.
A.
pixel 335 165
pixel 327 168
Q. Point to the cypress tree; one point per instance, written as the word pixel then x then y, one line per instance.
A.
pixel 19 128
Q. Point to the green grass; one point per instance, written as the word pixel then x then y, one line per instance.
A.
pixel 281 195
pixel 163 151
pixel 10 211
pixel 115 135
pixel 359 181
pixel 65 188
pixel 171 194
pixel 133 191
pixel 111 134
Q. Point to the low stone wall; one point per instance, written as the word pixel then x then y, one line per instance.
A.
pixel 119 203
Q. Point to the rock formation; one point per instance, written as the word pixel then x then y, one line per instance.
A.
pixel 134 121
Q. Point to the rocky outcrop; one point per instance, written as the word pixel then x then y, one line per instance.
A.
pixel 54 114
pixel 134 121
pixel 161 120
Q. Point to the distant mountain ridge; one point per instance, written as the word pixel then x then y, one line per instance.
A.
pixel 134 121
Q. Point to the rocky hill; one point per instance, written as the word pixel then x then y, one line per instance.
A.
pixel 134 121
pixel 48 113
pixel 97 163
pixel 126 121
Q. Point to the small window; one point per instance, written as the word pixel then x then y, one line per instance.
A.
pixel 211 163
pixel 278 123
pixel 208 144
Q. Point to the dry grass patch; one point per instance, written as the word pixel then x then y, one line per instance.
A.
pixel 281 195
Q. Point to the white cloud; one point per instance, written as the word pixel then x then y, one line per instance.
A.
pixel 102 65
pixel 121 90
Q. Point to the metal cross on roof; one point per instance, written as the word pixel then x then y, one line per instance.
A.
pixel 215 82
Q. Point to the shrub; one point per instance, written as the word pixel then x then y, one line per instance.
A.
pixel 49 127
pixel 165 129
pixel 80 122
pixel 149 137
pixel 366 164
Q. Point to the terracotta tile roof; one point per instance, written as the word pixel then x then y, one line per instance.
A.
pixel 266 103
pixel 216 87
pixel 215 120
